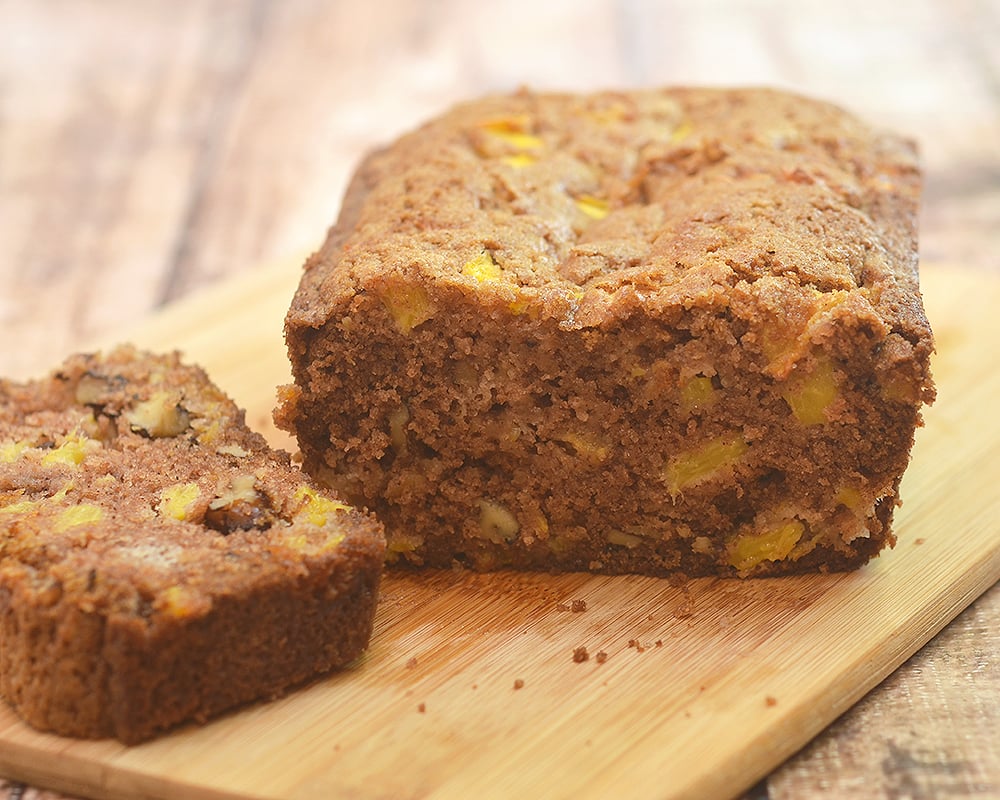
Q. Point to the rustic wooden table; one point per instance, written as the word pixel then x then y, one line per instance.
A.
pixel 149 149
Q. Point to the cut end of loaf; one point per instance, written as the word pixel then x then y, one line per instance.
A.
pixel 659 331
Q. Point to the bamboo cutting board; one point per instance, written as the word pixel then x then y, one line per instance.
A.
pixel 471 688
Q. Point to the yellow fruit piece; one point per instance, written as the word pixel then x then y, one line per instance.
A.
pixel 72 451
pixel 593 207
pixel 696 466
pixel 784 346
pixel 521 141
pixel 409 305
pixel 179 602
pixel 848 496
pixel 681 132
pixel 483 268
pixel 83 514
pixel 404 543
pixel 698 392
pixel 538 523
pixel 514 131
pixel 176 501
pixel 305 545
pixel 614 111
pixel 11 451
pixel 520 306
pixel 810 395
pixel 315 508
pixel 496 523
pixel 519 160
pixel 20 507
pixel 749 550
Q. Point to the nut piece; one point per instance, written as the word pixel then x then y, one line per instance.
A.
pixel 592 449
pixel 95 390
pixel 398 418
pixel 239 508
pixel 496 523
pixel 160 416
pixel 623 539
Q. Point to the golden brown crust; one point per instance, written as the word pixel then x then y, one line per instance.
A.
pixel 158 562
pixel 622 331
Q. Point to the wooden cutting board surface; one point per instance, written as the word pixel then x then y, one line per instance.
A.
pixel 471 688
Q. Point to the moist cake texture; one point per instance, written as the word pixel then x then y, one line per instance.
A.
pixel 657 331
pixel 158 562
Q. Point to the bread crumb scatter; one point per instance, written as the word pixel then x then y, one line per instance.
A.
pixel 518 684
pixel 684 609
pixel 580 655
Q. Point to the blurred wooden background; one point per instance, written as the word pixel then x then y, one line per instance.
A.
pixel 151 148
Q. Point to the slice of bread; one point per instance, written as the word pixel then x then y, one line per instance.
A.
pixel 160 563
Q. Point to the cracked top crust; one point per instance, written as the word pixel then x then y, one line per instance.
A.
pixel 583 208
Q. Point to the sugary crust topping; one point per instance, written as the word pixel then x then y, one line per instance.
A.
pixel 129 484
pixel 586 208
